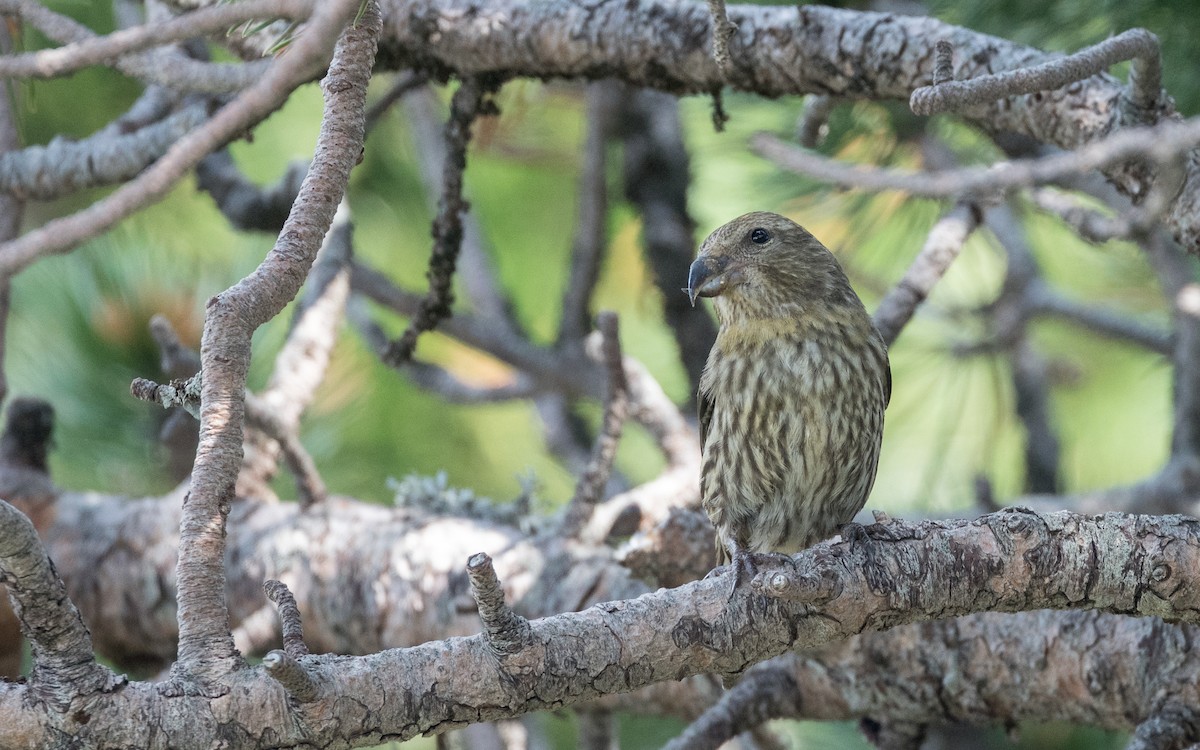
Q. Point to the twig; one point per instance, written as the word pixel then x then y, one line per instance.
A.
pixel 1042 300
pixel 292 675
pixel 184 394
pixel 451 388
pixel 587 249
pixel 468 102
pixel 678 486
pixel 591 483
pixel 246 205
pixel 942 246
pixel 1160 144
pixel 542 364
pixel 298 370
pixel 64 667
pixel 289 618
pixel 404 84
pixel 205 647
pixel 175 359
pixel 657 175
pixel 62 167
pixel 310 487
pixel 722 30
pixel 1032 390
pixel 121 48
pixel 1010 315
pixel 505 630
pixel 1089 224
pixel 943 63
pixel 763 693
pixel 1137 44
pixel 306 55
pixel 475 269
pixel 814 119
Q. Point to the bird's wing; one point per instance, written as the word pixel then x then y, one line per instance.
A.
pixel 887 384
pixel 704 405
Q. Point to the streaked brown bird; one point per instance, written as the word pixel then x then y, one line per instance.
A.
pixel 793 394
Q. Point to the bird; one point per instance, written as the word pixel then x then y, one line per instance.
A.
pixel 792 397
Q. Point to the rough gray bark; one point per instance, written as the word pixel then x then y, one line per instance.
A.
pixel 891 574
pixel 396 594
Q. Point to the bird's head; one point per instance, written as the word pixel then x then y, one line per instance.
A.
pixel 763 265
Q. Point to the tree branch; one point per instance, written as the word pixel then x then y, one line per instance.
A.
pixel 307 55
pixel 764 693
pixel 1137 44
pixel 246 205
pixel 469 101
pixel 657 171
pixel 64 667
pixel 206 652
pixel 476 270
pixel 591 222
pixel 1160 144
pixel 590 487
pixel 83 48
pixel 942 246
pixel 63 167
pixel 299 369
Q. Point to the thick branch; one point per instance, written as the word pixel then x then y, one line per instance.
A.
pixel 64 667
pixel 1009 559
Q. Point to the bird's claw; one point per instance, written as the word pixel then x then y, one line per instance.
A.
pixel 746 566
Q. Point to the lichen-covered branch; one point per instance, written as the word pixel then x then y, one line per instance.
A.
pixel 469 101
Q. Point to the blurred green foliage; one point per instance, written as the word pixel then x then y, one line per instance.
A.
pixel 78 332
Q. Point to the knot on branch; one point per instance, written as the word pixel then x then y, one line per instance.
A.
pixel 505 630
pixel 813 585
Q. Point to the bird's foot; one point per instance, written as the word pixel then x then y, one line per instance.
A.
pixel 744 570
pixel 746 566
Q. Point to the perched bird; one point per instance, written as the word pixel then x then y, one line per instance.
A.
pixel 793 394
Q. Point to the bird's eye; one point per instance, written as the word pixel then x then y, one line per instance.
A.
pixel 760 236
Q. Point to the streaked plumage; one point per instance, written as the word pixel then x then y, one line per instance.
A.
pixel 793 395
